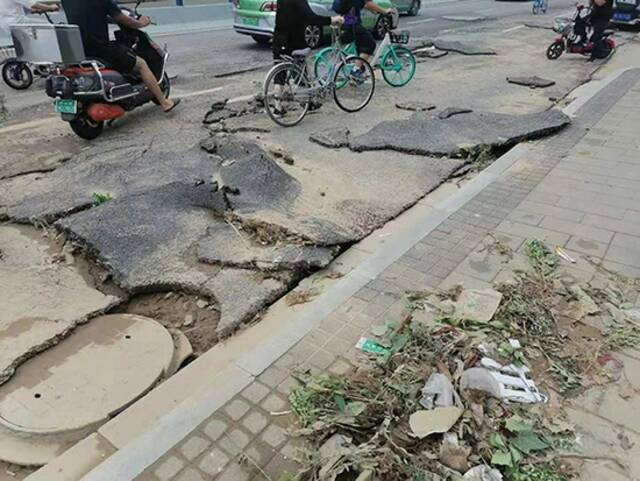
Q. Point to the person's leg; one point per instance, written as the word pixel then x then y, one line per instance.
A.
pixel 142 69
pixel 365 44
pixel 599 27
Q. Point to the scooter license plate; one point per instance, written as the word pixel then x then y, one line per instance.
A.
pixel 65 106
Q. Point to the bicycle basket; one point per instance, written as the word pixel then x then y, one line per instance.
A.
pixel 400 37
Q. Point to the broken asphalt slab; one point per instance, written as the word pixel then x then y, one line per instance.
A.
pixel 30 323
pixel 333 138
pixel 415 106
pixel 457 135
pixel 533 82
pixel 244 252
pixel 148 240
pixel 126 168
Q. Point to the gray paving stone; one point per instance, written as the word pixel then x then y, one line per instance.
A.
pixel 321 359
pixel 579 230
pixel 275 436
pixel 236 409
pixel 273 376
pixel 255 392
pixel 168 468
pixel 531 232
pixel 587 246
pixel 255 421
pixel 260 452
pixel 190 474
pixel 624 255
pixel 213 462
pixel 274 403
pixel 215 428
pixel 194 446
pixel 236 472
pixel 549 210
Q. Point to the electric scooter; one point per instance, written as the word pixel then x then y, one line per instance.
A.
pixel 89 92
pixel 568 40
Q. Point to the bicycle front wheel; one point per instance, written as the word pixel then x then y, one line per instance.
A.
pixel 286 94
pixel 398 66
pixel 353 84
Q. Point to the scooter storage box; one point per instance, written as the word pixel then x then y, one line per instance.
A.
pixel 44 43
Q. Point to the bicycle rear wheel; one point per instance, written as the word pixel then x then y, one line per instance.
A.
pixel 398 66
pixel 353 84
pixel 286 94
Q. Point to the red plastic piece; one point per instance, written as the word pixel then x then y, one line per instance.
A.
pixel 102 112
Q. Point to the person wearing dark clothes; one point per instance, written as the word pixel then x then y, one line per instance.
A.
pixel 601 11
pixel 292 18
pixel 353 29
pixel 598 18
pixel 92 16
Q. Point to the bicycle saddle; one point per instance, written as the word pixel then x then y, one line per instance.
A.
pixel 303 52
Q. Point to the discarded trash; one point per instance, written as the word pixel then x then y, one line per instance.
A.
pixel 477 305
pixel 562 254
pixel 509 383
pixel 482 473
pixel 371 346
pixel 438 391
pixel 438 420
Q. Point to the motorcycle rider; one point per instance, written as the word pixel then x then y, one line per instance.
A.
pixel 13 12
pixel 598 18
pixel 92 16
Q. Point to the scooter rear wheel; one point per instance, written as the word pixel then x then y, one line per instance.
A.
pixel 85 127
pixel 17 75
pixel 555 50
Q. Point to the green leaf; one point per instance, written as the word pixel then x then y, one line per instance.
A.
pixel 502 458
pixel 516 456
pixel 356 407
pixel 529 442
pixel 497 441
pixel 398 342
pixel 516 424
pixel 340 402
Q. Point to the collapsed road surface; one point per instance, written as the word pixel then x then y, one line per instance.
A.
pixel 229 216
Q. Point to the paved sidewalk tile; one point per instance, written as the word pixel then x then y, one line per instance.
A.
pixel 571 190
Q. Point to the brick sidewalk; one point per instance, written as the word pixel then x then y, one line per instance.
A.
pixel 579 189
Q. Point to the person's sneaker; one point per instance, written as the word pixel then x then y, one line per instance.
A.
pixel 314 106
pixel 358 75
pixel 279 111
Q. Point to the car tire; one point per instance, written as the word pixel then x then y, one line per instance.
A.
pixel 261 39
pixel 383 25
pixel 414 8
pixel 313 36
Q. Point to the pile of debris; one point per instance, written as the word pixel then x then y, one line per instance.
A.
pixel 466 386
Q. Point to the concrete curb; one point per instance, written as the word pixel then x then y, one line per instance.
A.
pixel 167 429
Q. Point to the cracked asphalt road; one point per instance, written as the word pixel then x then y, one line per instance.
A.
pixel 197 59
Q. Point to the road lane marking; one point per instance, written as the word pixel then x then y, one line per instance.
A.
pixel 198 92
pixel 517 27
pixel 26 125
pixel 424 20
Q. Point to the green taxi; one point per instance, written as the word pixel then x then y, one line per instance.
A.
pixel 257 18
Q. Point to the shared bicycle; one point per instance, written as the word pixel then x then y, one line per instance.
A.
pixel 397 63
pixel 540 6
pixel 290 91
